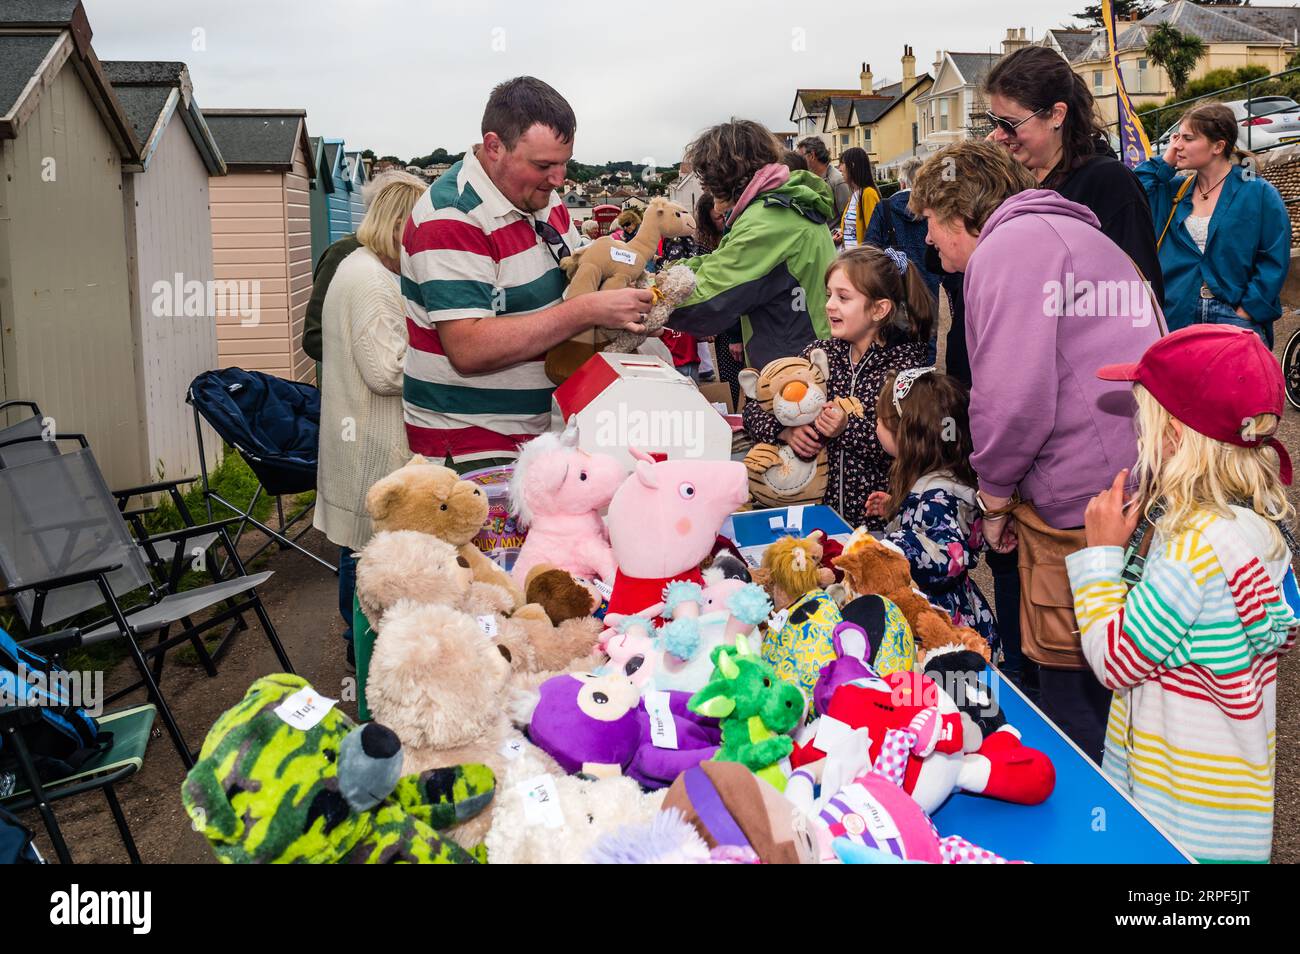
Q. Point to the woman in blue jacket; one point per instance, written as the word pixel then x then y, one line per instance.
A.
pixel 1224 233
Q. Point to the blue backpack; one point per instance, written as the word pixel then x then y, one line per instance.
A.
pixel 63 737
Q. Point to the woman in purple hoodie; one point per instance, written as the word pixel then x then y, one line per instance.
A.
pixel 1049 300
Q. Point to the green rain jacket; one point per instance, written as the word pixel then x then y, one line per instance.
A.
pixel 769 268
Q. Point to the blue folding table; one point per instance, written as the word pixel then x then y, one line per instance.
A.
pixel 1085 820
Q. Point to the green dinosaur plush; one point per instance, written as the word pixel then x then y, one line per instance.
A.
pixel 756 709
pixel 265 791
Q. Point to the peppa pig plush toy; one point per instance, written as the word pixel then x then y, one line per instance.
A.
pixel 557 492
pixel 664 521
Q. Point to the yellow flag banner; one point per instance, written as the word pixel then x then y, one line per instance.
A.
pixel 1133 142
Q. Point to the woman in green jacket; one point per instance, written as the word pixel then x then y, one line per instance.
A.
pixel 770 267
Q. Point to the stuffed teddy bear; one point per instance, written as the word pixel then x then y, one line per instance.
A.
pixel 600 725
pixel 871 566
pixel 285 776
pixel 557 492
pixel 664 521
pixel 585 811
pixel 874 812
pixel 669 288
pixel 794 391
pixel 444 688
pixel 735 811
pixel 562 595
pixel 409 565
pixel 756 708
pixel 432 499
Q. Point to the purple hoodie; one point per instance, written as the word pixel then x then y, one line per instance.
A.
pixel 1049 300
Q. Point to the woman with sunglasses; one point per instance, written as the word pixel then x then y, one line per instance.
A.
pixel 1044 115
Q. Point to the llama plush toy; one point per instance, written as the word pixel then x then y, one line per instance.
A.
pixel 557 493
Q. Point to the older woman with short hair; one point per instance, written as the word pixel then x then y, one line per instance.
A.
pixel 1038 327
pixel 364 341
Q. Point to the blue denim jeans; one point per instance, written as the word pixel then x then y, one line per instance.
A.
pixel 1215 312
pixel 347 587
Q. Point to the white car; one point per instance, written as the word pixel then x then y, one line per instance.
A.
pixel 1264 122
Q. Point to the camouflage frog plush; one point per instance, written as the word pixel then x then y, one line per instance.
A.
pixel 265 790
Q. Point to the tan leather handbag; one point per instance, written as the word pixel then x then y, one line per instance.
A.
pixel 1049 633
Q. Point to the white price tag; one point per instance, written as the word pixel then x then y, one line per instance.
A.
pixel 512 749
pixel 489 626
pixel 663 730
pixel 777 523
pixel 305 708
pixel 870 817
pixel 624 255
pixel 794 519
pixel 542 802
pixel 776 622
pixel 603 588
pixel 831 734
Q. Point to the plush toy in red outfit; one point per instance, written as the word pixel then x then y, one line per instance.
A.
pixel 663 521
pixel 997 765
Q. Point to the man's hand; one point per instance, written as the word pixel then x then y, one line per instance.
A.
pixel 621 309
pixel 1109 521
pixel 803 440
pixel 831 421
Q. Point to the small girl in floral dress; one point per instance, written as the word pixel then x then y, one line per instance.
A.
pixel 923 423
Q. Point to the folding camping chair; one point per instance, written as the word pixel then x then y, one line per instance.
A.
pixel 274 424
pixel 65 550
pixel 130 728
pixel 165 558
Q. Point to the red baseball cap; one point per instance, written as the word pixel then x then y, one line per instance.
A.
pixel 1213 378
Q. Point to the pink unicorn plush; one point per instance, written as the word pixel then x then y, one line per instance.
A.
pixel 664 520
pixel 557 492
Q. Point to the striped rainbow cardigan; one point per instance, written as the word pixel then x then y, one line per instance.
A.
pixel 1191 653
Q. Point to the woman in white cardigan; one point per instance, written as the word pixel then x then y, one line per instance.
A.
pixel 363 345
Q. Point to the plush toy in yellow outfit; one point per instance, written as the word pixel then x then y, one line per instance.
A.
pixel 805 640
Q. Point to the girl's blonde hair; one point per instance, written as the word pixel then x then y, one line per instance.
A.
pixel 390 197
pixel 1202 473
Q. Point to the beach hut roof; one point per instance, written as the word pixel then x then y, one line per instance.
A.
pixel 151 92
pixel 37 38
pixel 259 138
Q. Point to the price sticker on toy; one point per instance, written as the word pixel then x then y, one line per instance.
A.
pixel 304 709
pixel 603 588
pixel 624 255
pixel 542 802
pixel 489 626
pixel 663 731
pixel 512 749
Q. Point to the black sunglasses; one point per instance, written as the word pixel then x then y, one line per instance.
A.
pixel 552 236
pixel 1006 125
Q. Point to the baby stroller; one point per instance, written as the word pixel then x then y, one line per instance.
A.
pixel 274 424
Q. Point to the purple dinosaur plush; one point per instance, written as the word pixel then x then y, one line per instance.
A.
pixel 852 650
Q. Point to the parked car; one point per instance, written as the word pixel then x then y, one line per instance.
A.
pixel 1265 122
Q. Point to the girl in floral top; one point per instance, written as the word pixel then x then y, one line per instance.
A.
pixel 880 313
pixel 923 422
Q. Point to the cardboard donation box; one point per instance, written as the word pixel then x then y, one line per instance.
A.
pixel 619 401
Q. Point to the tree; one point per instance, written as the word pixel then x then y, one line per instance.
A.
pixel 1176 52
pixel 368 154
pixel 1124 9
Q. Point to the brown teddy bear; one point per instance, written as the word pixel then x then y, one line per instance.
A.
pixel 561 594
pixel 428 497
pixel 409 565
pixel 872 567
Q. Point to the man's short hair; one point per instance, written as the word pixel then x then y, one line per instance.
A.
pixel 818 148
pixel 519 103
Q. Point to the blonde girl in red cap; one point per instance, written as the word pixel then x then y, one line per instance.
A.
pixel 1189 639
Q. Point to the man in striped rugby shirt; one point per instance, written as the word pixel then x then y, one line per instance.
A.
pixel 483 286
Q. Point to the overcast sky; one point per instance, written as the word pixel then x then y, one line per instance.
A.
pixel 407 76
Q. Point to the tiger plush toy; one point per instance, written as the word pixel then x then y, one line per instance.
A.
pixel 273 786
pixel 794 391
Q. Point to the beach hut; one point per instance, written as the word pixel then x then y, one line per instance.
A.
pixel 358 179
pixel 322 184
pixel 66 323
pixel 169 253
pixel 261 239
pixel 340 195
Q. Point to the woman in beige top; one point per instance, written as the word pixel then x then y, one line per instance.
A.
pixel 363 345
